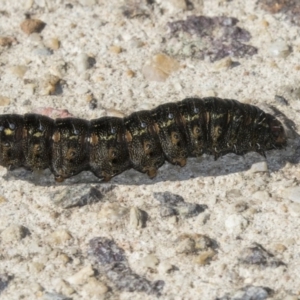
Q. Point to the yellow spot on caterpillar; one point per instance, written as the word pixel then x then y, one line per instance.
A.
pixel 8 131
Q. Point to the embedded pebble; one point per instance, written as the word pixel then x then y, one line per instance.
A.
pixel 43 51
pixel 259 167
pixel 279 49
pixel 55 296
pixel 173 205
pixel 36 267
pixel 111 260
pixel 18 71
pixel 205 257
pixel 173 5
pixel 281 100
pixel 249 293
pixel 6 41
pixel 112 212
pixel 137 218
pixel 115 49
pixel 85 195
pixel 159 67
pixel 14 233
pixel 224 63
pixel 165 267
pixel 193 243
pixel 150 261
pixel 59 237
pixel 258 255
pixel 292 194
pixel 2 200
pixel 32 25
pixel 81 276
pixel 82 63
pixel 4 101
pixel 94 289
pixel 4 281
pixel 50 84
pixel 53 43
pixel 235 224
pixel 63 287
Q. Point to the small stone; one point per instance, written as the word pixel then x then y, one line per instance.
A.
pixel 241 206
pixel 192 243
pixel 281 100
pixel 53 43
pixel 173 6
pixel 94 289
pixel 130 73
pixel 32 25
pixel 4 281
pixel 136 218
pixel 235 224
pixel 43 51
pixel 63 287
pixel 50 85
pixel 81 276
pixel 292 194
pixel 258 255
pixel 13 233
pixel 205 257
pixel 259 167
pixel 224 63
pixel 55 296
pixel 18 71
pixel 115 49
pixel 150 261
pixel 36 267
pixel 279 49
pixel 249 293
pixel 6 41
pixel 165 267
pixel 112 212
pixel 2 200
pixel 59 237
pixel 82 63
pixel 160 67
pixel 4 101
pixel 87 2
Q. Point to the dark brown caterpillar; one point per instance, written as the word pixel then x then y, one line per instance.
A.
pixel 143 141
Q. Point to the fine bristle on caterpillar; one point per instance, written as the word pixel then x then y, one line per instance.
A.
pixel 144 140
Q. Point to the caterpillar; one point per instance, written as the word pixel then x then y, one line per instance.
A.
pixel 143 140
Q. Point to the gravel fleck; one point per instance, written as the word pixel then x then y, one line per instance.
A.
pixel 150 261
pixel 18 71
pixel 159 67
pixel 6 41
pixel 43 51
pixel 14 233
pixel 4 281
pixel 94 288
pixel 172 204
pixel 193 243
pixel 292 193
pixel 281 100
pixel 259 167
pixel 55 296
pixel 137 218
pixel 235 224
pixel 212 37
pixel 257 255
pixel 4 101
pixel 82 63
pixel 59 237
pixel 279 49
pixel 111 260
pixel 81 276
pixel 32 25
pixel 249 293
